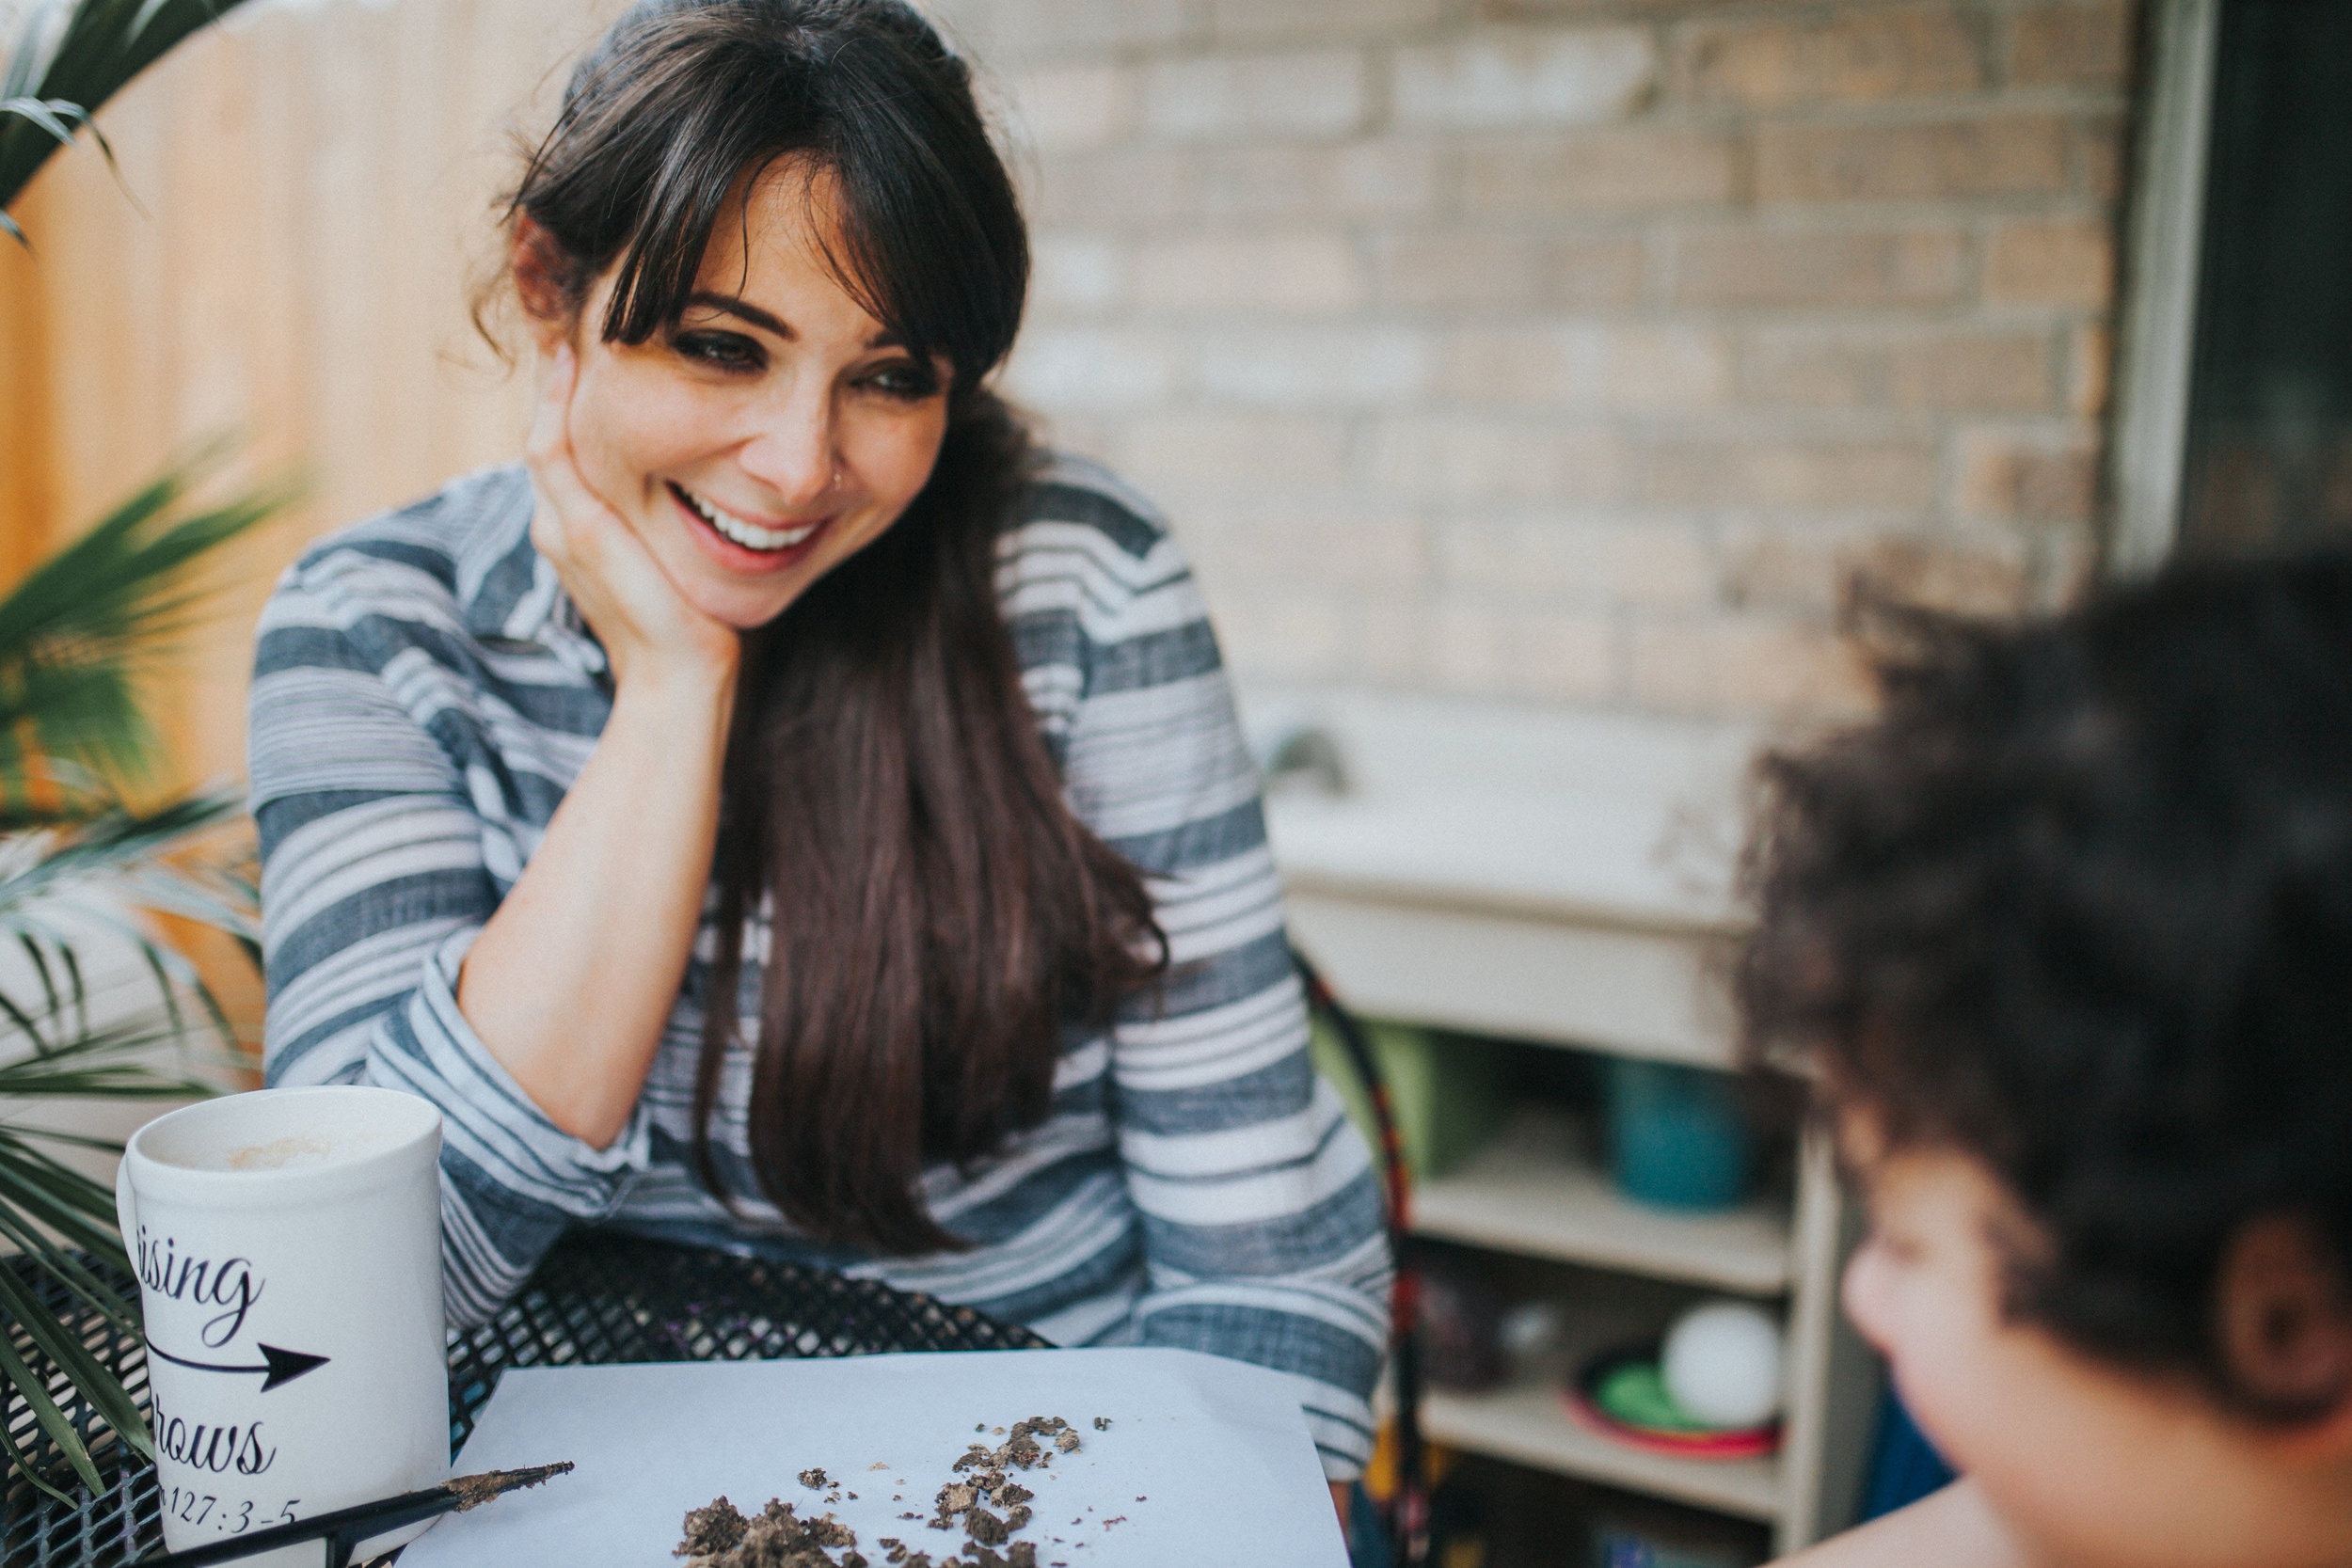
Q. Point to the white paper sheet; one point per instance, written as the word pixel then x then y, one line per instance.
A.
pixel 1206 1460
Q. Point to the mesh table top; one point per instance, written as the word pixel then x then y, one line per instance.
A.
pixel 597 1300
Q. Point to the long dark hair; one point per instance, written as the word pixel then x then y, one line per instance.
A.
pixel 935 913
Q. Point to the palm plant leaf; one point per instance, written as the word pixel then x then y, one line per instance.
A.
pixel 57 887
pixel 75 867
pixel 76 632
pixel 49 1210
pixel 60 118
pixel 35 1328
pixel 113 848
pixel 34 1391
pixel 57 1216
pixel 72 56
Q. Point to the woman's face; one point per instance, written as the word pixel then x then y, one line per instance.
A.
pixel 776 431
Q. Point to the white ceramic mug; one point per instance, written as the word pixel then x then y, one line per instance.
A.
pixel 289 1256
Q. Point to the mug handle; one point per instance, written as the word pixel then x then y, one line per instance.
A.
pixel 127 1208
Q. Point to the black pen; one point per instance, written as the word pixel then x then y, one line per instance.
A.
pixel 343 1531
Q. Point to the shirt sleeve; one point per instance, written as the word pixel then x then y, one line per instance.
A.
pixel 1262 1222
pixel 376 876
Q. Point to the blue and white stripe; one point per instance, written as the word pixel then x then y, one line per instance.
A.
pixel 423 695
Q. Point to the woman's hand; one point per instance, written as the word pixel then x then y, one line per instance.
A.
pixel 646 627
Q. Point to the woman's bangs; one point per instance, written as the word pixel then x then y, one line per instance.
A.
pixel 922 262
pixel 684 201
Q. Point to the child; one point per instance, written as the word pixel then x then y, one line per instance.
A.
pixel 2066 933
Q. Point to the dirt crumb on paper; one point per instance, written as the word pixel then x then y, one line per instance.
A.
pixel 978 1488
pixel 719 1536
pixel 711 1530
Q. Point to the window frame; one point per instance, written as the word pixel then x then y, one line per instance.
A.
pixel 2162 252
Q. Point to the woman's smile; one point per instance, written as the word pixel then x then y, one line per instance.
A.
pixel 740 544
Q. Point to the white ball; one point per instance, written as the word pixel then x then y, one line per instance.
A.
pixel 1722 1364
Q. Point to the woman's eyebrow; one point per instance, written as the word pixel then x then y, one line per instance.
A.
pixel 729 305
pixel 746 311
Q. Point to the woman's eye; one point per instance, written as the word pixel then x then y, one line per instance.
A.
pixel 730 351
pixel 907 382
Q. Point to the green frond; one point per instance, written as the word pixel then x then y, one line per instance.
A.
pixel 46 1197
pixel 78 872
pixel 114 841
pixel 77 632
pixel 35 1333
pixel 69 58
pixel 52 1214
pixel 59 117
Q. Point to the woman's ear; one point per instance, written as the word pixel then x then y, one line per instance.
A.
pixel 542 272
pixel 2285 1320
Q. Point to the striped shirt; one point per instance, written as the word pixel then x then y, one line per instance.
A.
pixel 424 694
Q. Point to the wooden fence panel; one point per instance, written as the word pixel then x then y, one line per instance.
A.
pixel 24 410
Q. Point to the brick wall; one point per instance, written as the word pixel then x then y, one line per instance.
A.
pixel 1580 351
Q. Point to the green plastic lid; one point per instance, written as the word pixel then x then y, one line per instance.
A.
pixel 1634 1392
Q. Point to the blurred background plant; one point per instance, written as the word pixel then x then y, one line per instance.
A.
pixel 67 59
pixel 96 1001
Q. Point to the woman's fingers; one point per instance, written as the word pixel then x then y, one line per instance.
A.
pixel 550 421
pixel 565 503
pixel 570 525
pixel 626 598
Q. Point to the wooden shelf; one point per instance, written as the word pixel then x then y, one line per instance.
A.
pixel 1530 1192
pixel 1528 1423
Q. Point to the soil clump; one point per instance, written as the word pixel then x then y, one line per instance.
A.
pixel 721 1536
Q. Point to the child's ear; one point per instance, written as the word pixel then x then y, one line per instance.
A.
pixel 2285 1320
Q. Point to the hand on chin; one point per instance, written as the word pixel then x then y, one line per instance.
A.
pixel 649 625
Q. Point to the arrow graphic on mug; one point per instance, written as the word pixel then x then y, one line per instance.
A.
pixel 283 1365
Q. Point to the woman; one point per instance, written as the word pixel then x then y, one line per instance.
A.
pixel 789 813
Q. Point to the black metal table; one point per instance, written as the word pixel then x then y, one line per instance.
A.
pixel 595 1299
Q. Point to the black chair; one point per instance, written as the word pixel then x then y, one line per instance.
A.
pixel 1408 1511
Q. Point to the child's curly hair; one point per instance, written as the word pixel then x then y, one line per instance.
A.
pixel 2078 904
